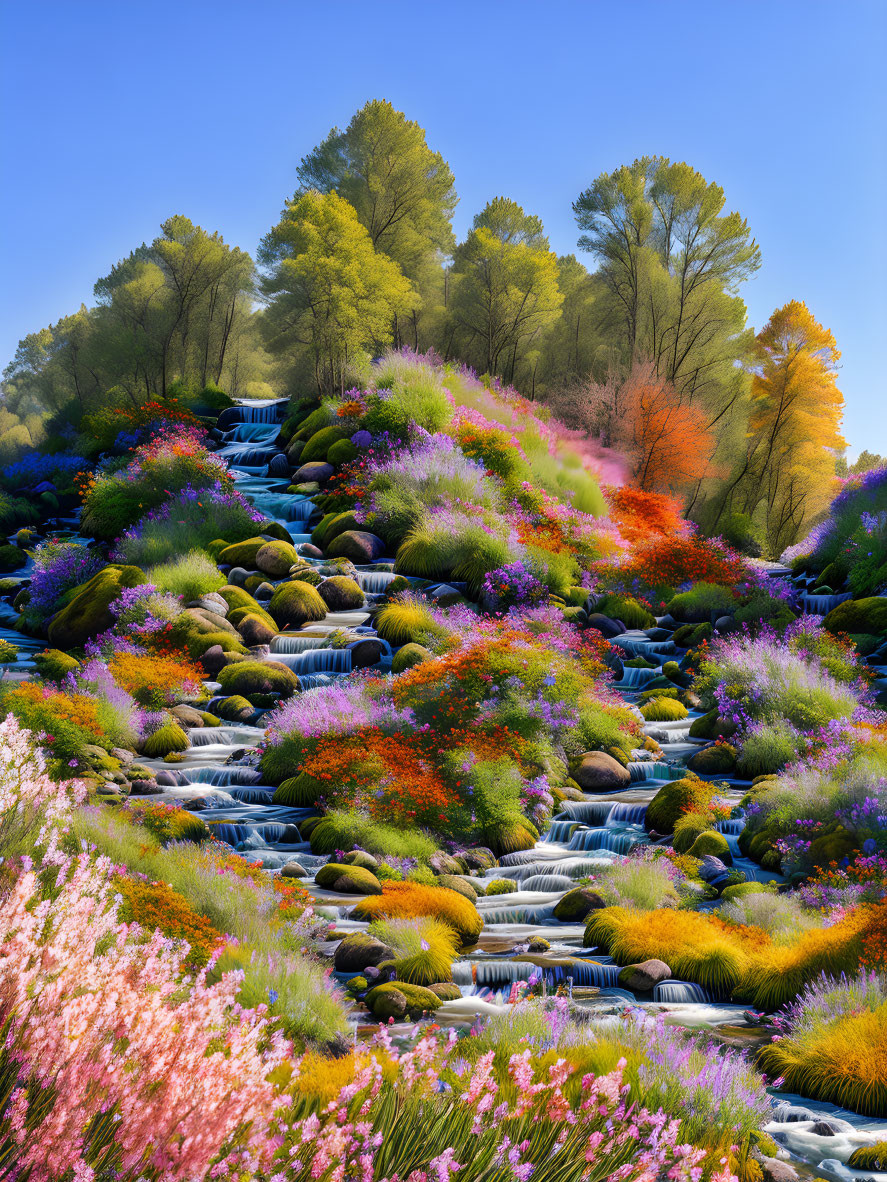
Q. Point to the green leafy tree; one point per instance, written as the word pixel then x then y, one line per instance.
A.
pixel 330 292
pixel 505 291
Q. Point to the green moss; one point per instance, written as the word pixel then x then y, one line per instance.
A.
pixel 197 643
pixel 627 609
pixel 341 452
pixel 712 844
pixel 388 1001
pixel 275 559
pixel 675 798
pixel 739 890
pixel 53 665
pixel 170 737
pixel 296 603
pixel 408 656
pixel 236 597
pixel 859 615
pixel 712 761
pixel 664 709
pixel 258 677
pixel 347 880
pixel 341 594
pixel 237 615
pixel 301 791
pixel 235 708
pixel 242 553
pixel 86 614
pixel 501 886
pixel 462 887
pixel 321 441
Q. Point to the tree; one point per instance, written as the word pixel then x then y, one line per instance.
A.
pixel 670 262
pixel 505 291
pixel 330 291
pixel 666 438
pixel 402 191
pixel 567 351
pixel 794 429
pixel 865 462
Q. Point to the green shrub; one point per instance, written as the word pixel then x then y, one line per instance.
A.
pixel 344 831
pixel 54 665
pixel 170 737
pixel 627 609
pixel 191 576
pixel 675 798
pixel 296 603
pixel 702 602
pixel 767 750
pixel 664 709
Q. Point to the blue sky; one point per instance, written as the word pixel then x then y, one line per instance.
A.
pixel 114 116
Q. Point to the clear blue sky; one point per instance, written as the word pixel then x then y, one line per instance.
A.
pixel 117 114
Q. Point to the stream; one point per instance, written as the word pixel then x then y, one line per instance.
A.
pixel 584 836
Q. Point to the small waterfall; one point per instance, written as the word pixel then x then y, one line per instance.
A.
pixel 226 736
pixel 310 681
pixel 547 882
pixel 253 795
pixel 648 769
pixel 640 645
pixel 224 777
pixel 680 991
pixel 250 457
pixel 296 642
pixel 316 660
pixel 374 581
pixel 519 858
pixel 267 412
pixel 283 506
pixel 527 913
pixel 604 839
pixel 233 834
pixel 627 814
pixel 732 827
pixel 277 831
pixel 559 831
pixel 252 433
pixel 821 605
pixel 590 812
pixel 633 678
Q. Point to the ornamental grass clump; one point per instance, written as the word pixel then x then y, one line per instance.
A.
pixel 194 517
pixel 424 948
pixel 406 619
pixel 189 576
pixel 832 1043
pixel 408 900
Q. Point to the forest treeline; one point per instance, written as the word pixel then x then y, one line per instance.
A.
pixel 641 341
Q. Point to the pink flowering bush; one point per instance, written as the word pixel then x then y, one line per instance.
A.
pixel 32 805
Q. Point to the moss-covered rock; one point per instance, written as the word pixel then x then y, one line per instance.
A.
pixel 347 880
pixel 235 709
pixel 577 904
pixel 275 559
pixel 673 799
pixel 237 615
pixel 596 771
pixel 199 620
pixel 664 709
pixel 400 1000
pixel 461 885
pixel 53 665
pixel 256 629
pixel 692 635
pixel 445 990
pixel 859 615
pixel 341 452
pixel 242 553
pixel 258 677
pixel 170 737
pixel 712 726
pixel 296 603
pixel 198 643
pixel 739 890
pixel 832 847
pixel 86 614
pixel 501 886
pixel 307 574
pixel 236 597
pixel 712 843
pixel 627 609
pixel 359 951
pixel 341 594
pixel 358 545
pixel 319 444
pixel 411 654
pixel 11 558
pixel 717 760
pixel 300 791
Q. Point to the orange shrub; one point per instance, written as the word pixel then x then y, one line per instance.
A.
pixel 154 680
pixel 406 900
pixel 155 905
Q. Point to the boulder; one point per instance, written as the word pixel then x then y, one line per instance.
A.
pixel 313 473
pixel 255 630
pixel 86 614
pixel 859 615
pixel 714 843
pixel 361 858
pixel 211 602
pixel 200 620
pixel 294 870
pixel 347 880
pixel 359 951
pixel 258 677
pixel 296 603
pixel 366 653
pixel 479 858
pixel 308 550
pixel 275 559
pixel 213 660
pixel 712 870
pixel 242 554
pixel 358 545
pixel 608 628
pixel 409 655
pixel 719 759
pixel 442 863
pixel 462 886
pixel 235 709
pixel 187 715
pixel 597 771
pixel 398 999
pixel 577 904
pixel 341 594
pixel 145 788
pixel 641 978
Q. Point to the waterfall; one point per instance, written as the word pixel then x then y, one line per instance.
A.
pixel 627 814
pixel 253 795
pixel 260 412
pixel 559 831
pixel 732 827
pixel 226 736
pixel 680 991
pixel 547 882
pixel 223 777
pixel 648 769
pixel 591 812
pixel 296 642
pixel 821 605
pixel 540 913
pixel 633 678
pixel 233 834
pixel 283 506
pixel 374 581
pixel 316 660
pixel 604 839
pixel 310 681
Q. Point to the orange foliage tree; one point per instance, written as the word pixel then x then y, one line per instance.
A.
pixel 666 437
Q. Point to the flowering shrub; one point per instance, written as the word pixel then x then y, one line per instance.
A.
pixel 512 586
pixel 36 467
pixel 155 905
pixel 32 806
pixel 58 567
pixel 155 681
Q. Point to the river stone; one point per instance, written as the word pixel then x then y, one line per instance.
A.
pixel 187 715
pixel 641 978
pixel 294 870
pixel 366 653
pixel 237 576
pixel 479 858
pixel 360 858
pixel 213 659
pixel 358 545
pixel 726 624
pixel 597 770
pixel 309 550
pixel 125 757
pixel 211 602
pixel 577 904
pixel 712 870
pixel 255 631
pixel 264 591
pixel 442 863
pixel 608 628
pixel 347 880
pixel 359 951
pixel 145 788
pixel 209 621
pixel 169 779
pixel 275 559
pixel 831 1127
pixel 317 472
pixel 279 465
pixel 775 1170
